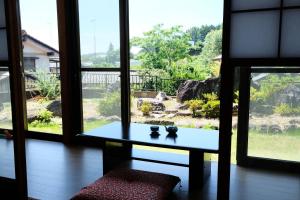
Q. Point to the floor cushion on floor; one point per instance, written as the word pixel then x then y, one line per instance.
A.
pixel 128 184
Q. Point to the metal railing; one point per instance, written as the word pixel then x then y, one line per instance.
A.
pixel 105 80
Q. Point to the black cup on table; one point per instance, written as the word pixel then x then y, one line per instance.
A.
pixel 154 131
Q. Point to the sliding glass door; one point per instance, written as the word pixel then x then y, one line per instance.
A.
pixel 274 131
pixel 100 62
pixel 269 132
pixel 41 65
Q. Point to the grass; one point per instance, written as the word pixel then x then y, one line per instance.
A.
pixel 46 128
pixel 89 125
pixel 283 146
pixel 57 129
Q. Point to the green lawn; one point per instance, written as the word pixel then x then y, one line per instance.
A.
pixel 282 146
pixel 47 128
pixel 57 129
pixel 89 125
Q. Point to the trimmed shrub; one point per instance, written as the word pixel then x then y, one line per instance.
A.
pixel 211 109
pixel 44 116
pixel 194 106
pixel 110 105
pixel 286 110
pixel 146 107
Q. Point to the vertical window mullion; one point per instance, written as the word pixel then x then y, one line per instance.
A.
pixel 124 54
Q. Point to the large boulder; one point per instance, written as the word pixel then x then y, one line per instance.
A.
pixel 55 108
pixel 195 89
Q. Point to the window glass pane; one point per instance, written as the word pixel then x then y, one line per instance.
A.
pixel 29 64
pixel 291 2
pixel 7 167
pixel 99 33
pixel 274 130
pixel 254 4
pixel 5 102
pixel 290 43
pixel 3 45
pixel 2 14
pixel 254 35
pixel 40 56
pixel 101 101
pixel 174 53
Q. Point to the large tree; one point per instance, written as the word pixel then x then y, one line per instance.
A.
pixel 212 45
pixel 161 47
pixel 112 55
pixel 198 35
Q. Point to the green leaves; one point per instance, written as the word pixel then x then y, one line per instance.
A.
pixel 162 47
pixel 48 85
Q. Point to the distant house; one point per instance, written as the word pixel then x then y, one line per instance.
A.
pixel 38 55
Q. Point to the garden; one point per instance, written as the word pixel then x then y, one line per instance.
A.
pixel 176 82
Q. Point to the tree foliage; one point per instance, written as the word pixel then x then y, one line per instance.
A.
pixel 112 55
pixel 212 45
pixel 199 33
pixel 161 47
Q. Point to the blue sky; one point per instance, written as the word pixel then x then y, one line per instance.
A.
pixel 99 19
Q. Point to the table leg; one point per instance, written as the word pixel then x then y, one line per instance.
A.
pixel 115 154
pixel 199 168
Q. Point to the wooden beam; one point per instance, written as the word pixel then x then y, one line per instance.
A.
pixel 17 94
pixel 124 58
pixel 226 98
pixel 70 64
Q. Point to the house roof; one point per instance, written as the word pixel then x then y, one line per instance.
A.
pixel 26 36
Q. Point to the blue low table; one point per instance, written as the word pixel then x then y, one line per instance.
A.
pixel 118 141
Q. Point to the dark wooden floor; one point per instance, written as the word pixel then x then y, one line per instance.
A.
pixel 56 172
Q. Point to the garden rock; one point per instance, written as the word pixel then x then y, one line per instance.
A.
pixel 275 129
pixel 234 125
pixel 294 121
pixel 191 89
pixel 182 106
pixel 170 116
pixel 113 118
pixel 262 109
pixel 290 127
pixel 162 96
pixel 289 95
pixel 171 111
pixel 184 113
pixel 159 122
pixel 55 108
pixel 31 117
pixel 264 128
pixel 158 106
pixel 1 107
pixel 158 116
pixel 157 112
pixel 235 109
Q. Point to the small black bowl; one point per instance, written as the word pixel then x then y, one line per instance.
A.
pixel 154 134
pixel 154 128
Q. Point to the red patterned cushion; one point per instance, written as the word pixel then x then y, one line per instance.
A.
pixel 128 184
